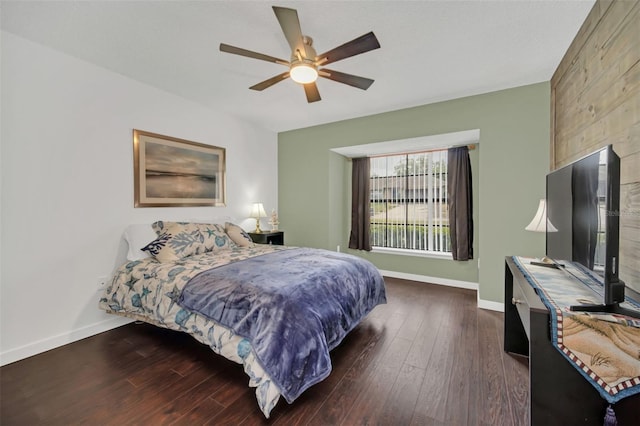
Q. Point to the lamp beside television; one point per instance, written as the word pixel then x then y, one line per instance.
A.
pixel 540 222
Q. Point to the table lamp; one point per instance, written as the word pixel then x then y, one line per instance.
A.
pixel 540 222
pixel 257 211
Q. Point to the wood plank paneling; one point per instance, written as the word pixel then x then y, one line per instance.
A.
pixel 595 95
pixel 607 45
pixel 590 24
pixel 620 121
pixel 604 98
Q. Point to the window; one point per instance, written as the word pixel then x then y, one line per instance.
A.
pixel 409 202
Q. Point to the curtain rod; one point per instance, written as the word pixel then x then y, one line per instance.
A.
pixel 471 147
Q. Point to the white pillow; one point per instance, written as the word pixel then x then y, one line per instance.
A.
pixel 137 237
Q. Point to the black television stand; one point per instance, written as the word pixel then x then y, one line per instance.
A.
pixel 558 393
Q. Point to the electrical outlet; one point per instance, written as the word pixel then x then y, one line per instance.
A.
pixel 102 282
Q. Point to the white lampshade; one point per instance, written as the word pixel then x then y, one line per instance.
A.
pixel 257 211
pixel 540 222
pixel 303 73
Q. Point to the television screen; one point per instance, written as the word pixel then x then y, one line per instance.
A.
pixel 583 203
pixel 577 208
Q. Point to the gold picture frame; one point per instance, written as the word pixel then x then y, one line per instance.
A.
pixel 172 172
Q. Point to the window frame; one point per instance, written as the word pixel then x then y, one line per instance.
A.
pixel 432 193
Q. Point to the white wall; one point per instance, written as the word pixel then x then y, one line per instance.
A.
pixel 67 185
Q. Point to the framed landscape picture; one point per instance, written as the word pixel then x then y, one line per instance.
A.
pixel 175 172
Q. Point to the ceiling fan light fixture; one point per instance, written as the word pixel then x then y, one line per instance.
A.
pixel 304 63
pixel 303 73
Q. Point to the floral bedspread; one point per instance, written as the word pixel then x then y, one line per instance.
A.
pixel 147 290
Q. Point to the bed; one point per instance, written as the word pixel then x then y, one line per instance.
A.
pixel 276 310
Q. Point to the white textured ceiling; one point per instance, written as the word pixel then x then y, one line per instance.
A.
pixel 430 50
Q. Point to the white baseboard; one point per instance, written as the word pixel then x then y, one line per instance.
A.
pixel 432 280
pixel 482 304
pixel 490 305
pixel 53 342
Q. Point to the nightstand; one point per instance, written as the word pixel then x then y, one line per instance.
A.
pixel 268 237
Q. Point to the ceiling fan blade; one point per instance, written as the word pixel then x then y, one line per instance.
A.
pixel 354 47
pixel 311 90
pixel 290 24
pixel 350 79
pixel 270 82
pixel 249 54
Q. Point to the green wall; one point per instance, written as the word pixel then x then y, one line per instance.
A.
pixel 509 169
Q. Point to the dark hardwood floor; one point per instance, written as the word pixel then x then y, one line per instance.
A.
pixel 428 357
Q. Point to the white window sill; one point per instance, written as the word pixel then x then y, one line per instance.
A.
pixel 416 253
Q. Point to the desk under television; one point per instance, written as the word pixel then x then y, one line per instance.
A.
pixel 580 363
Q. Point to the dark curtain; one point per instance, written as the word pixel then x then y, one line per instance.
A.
pixel 460 203
pixel 584 187
pixel 360 218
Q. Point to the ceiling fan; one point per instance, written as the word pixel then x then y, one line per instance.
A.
pixel 304 64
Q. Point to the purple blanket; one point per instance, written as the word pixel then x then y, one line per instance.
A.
pixel 294 306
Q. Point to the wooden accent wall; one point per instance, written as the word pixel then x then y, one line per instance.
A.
pixel 595 101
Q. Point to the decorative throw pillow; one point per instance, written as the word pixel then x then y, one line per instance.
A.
pixel 177 240
pixel 238 235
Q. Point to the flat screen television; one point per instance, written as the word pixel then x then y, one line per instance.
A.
pixel 583 205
